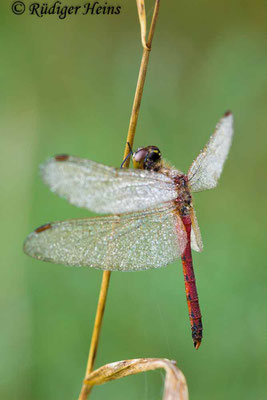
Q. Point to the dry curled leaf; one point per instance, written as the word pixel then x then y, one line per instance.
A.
pixel 175 387
pixel 142 19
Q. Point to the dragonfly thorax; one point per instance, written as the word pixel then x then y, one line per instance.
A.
pixel 184 198
pixel 149 158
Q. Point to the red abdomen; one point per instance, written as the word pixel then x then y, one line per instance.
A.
pixel 190 287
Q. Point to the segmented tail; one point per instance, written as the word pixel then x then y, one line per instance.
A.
pixel 190 287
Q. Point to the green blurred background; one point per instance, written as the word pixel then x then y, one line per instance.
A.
pixel 67 87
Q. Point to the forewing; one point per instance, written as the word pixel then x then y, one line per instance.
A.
pixel 196 240
pixel 128 242
pixel 207 167
pixel 104 189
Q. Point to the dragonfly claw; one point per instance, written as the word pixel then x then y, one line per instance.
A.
pixel 197 344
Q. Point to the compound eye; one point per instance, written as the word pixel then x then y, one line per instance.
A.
pixel 154 156
pixel 140 155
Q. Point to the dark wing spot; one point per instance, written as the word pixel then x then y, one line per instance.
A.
pixel 43 228
pixel 62 157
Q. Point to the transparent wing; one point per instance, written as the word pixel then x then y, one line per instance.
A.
pixel 207 167
pixel 128 242
pixel 104 189
pixel 196 240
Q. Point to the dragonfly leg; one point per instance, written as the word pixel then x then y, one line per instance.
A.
pixel 129 155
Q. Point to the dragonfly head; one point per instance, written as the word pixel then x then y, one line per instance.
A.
pixel 147 158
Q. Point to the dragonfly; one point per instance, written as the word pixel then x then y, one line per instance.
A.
pixel 152 220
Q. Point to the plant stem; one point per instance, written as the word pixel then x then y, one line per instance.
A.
pixel 140 84
pixel 130 138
